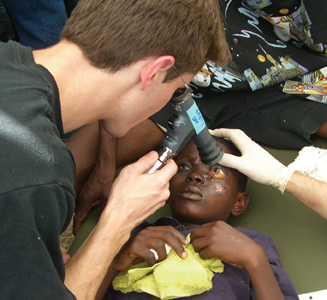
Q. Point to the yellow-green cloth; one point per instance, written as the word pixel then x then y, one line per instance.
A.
pixel 172 278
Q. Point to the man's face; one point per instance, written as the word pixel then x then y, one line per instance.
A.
pixel 157 98
pixel 140 106
pixel 199 193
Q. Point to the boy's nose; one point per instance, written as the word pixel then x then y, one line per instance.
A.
pixel 196 177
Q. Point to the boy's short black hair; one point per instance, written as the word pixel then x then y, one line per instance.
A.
pixel 242 179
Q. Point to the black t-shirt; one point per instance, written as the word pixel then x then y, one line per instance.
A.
pixel 37 174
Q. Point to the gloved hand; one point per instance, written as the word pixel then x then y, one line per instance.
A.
pixel 255 162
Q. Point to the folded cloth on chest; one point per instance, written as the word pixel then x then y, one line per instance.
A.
pixel 172 278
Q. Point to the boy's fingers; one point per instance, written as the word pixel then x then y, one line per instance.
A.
pixel 199 232
pixel 171 237
pixel 174 232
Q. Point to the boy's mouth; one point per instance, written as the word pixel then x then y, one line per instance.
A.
pixel 190 193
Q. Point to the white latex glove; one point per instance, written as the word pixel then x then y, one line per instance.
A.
pixel 255 162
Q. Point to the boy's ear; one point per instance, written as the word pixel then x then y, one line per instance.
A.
pixel 240 204
pixel 152 68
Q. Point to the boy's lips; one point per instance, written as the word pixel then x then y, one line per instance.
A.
pixel 190 192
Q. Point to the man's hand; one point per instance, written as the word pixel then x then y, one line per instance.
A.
pixel 255 162
pixel 135 194
pixel 138 248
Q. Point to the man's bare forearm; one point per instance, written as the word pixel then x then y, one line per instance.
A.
pixel 133 197
pixel 311 192
pixel 88 267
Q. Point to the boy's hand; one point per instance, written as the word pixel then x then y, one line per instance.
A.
pixel 138 248
pixel 220 240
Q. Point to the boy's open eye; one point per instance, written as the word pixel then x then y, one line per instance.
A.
pixel 217 173
pixel 184 167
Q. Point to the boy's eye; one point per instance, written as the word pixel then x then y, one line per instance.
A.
pixel 217 173
pixel 183 167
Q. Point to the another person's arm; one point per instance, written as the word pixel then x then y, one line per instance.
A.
pixel 99 159
pixel 97 154
pixel 262 167
pixel 310 191
pixel 133 197
pixel 220 240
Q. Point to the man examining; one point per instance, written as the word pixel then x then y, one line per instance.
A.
pixel 113 64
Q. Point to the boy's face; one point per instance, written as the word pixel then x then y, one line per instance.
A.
pixel 199 193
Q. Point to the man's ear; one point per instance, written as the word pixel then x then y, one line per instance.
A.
pixel 152 68
pixel 240 204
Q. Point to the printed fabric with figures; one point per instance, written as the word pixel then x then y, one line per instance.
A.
pixel 282 43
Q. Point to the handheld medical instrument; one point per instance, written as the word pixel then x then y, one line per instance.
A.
pixel 185 124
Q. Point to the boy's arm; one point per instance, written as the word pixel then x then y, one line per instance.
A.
pixel 221 241
pixel 137 249
pixel 97 154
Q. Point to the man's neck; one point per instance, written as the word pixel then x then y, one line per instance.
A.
pixel 79 83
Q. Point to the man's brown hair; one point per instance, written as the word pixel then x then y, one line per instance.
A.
pixel 116 33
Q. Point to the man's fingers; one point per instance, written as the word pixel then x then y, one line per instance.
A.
pixel 231 161
pixel 148 161
pixel 169 170
pixel 237 136
pixel 145 162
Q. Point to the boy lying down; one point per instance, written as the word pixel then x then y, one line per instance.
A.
pixel 219 262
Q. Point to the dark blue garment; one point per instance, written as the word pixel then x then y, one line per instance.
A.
pixel 39 23
pixel 6 24
pixel 233 283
